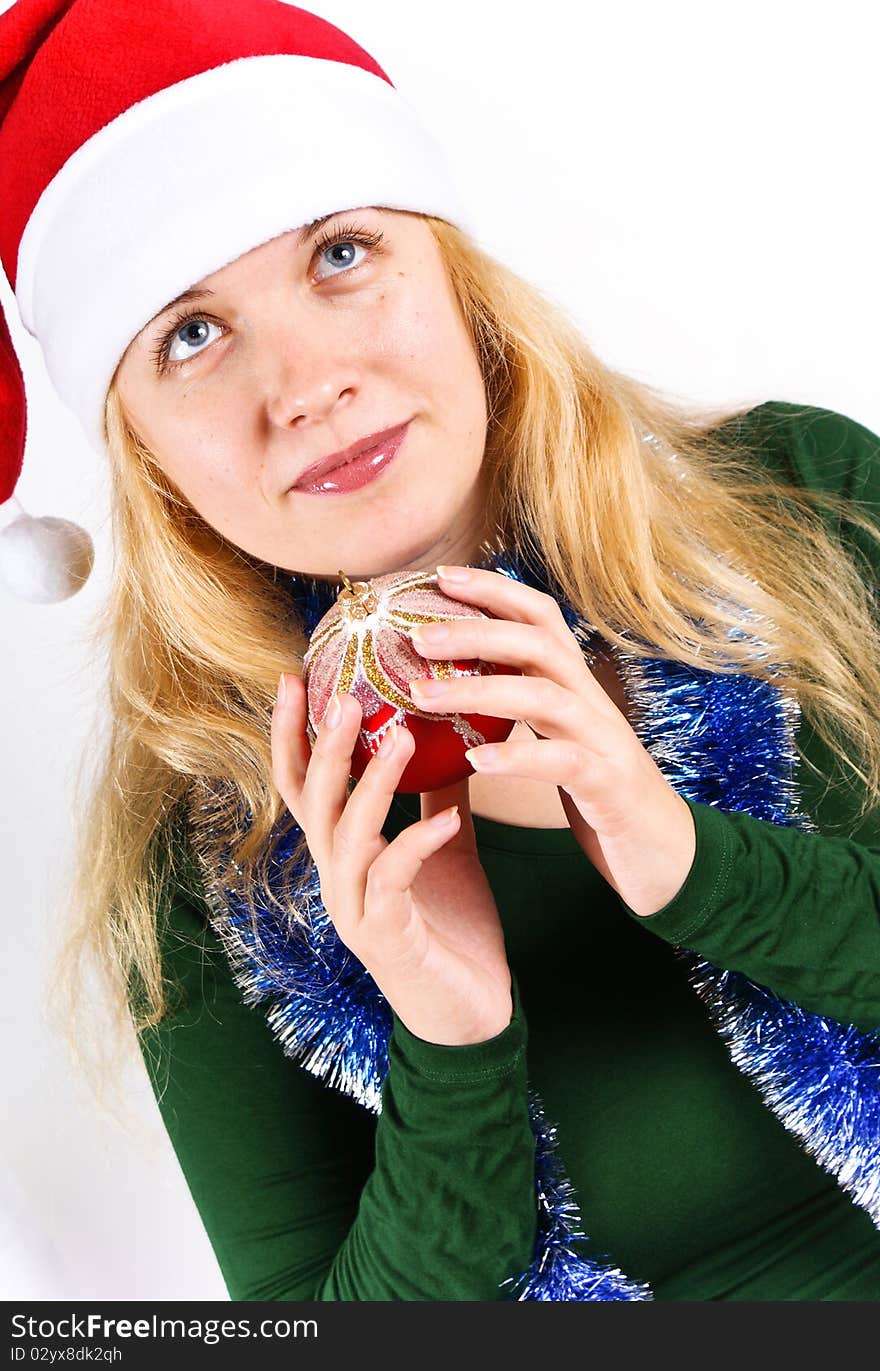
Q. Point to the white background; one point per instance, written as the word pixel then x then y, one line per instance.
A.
pixel 697 185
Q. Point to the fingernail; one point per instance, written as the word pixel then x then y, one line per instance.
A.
pixel 333 715
pixel 453 573
pixel 430 633
pixel 446 816
pixel 428 688
pixel 282 690
pixel 483 758
pixel 386 747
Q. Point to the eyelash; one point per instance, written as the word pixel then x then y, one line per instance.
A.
pixel 346 233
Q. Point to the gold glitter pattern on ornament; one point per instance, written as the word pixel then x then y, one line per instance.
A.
pixel 376 663
pixel 384 685
pixel 349 666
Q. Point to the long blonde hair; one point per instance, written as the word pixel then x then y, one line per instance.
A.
pixel 646 538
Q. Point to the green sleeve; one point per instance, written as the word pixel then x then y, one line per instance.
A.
pixel 795 911
pixel 304 1193
pixel 450 1209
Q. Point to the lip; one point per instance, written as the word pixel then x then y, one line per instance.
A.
pixel 353 467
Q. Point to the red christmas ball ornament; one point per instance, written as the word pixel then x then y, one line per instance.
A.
pixel 362 645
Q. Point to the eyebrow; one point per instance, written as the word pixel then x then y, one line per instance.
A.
pixel 203 293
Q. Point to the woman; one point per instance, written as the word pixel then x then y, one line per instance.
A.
pixel 269 324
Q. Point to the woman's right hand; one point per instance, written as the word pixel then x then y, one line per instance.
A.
pixel 418 912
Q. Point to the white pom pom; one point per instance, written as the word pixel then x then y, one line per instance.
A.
pixel 45 560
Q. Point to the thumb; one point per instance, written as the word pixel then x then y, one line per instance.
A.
pixel 433 801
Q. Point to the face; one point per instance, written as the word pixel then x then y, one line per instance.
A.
pixel 306 345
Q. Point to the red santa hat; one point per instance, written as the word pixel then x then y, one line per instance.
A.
pixel 143 147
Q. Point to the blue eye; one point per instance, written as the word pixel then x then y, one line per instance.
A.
pixel 343 252
pixel 186 335
pixel 345 237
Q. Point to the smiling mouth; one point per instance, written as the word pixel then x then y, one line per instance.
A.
pixel 388 438
pixel 357 470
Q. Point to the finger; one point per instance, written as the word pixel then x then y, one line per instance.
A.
pixel 435 801
pixel 289 742
pixel 505 597
pixel 398 941
pixel 537 651
pixel 305 776
pixel 563 763
pixel 325 789
pixel 367 806
pixel 358 841
pixel 544 705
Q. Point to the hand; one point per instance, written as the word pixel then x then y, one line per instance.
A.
pixel 418 912
pixel 633 826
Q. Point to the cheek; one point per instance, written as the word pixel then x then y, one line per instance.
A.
pixel 205 465
pixel 422 333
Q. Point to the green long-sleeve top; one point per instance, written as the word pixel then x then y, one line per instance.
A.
pixel 684 1177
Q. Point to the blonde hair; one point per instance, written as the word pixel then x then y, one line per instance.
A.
pixel 644 517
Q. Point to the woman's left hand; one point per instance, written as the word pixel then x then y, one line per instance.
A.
pixel 633 826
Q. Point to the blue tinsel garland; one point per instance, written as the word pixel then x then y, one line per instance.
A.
pixel 719 739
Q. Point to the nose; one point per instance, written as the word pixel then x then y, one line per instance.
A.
pixel 308 379
pixel 302 404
